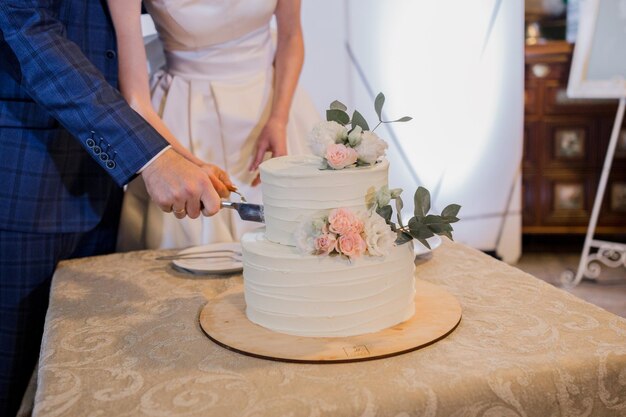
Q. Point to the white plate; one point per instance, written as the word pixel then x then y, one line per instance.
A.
pixel 211 265
pixel 420 249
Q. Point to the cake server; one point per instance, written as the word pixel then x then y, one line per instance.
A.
pixel 247 211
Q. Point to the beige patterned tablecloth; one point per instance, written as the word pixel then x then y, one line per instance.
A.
pixel 122 339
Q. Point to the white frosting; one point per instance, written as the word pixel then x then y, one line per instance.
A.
pixel 322 296
pixel 294 188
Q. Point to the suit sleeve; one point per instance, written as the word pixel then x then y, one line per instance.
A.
pixel 58 76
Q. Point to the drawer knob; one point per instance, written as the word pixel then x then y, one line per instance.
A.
pixel 540 70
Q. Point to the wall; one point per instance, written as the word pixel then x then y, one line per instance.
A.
pixel 457 69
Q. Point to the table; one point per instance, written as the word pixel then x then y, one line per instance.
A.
pixel 122 339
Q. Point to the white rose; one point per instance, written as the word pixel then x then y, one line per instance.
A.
pixel 379 237
pixel 371 147
pixel 324 134
pixel 307 232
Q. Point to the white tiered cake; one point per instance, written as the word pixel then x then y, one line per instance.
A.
pixel 321 296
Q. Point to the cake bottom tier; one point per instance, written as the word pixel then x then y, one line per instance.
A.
pixel 325 296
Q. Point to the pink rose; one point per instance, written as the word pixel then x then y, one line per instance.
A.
pixel 343 221
pixel 352 245
pixel 340 156
pixel 325 244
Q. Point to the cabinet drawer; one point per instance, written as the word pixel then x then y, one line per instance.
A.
pixel 570 143
pixel 566 199
pixel 543 70
pixel 606 128
pixel 613 210
pixel 556 101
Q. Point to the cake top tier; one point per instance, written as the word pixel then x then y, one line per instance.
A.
pixel 302 166
pixel 295 188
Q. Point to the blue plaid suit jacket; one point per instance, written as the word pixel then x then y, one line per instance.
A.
pixel 68 140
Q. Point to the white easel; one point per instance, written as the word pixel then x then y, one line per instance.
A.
pixel 601 23
pixel 611 254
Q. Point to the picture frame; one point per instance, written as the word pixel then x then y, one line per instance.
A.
pixel 599 64
pixel 569 197
pixel 618 197
pixel 569 143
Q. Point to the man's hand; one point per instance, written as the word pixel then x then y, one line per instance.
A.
pixel 177 185
pixel 273 138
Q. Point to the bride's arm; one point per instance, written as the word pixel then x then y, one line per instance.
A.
pixel 289 57
pixel 133 72
pixel 287 67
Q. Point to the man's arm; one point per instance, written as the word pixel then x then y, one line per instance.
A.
pixel 58 76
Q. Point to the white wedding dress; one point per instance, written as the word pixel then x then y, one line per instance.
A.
pixel 215 96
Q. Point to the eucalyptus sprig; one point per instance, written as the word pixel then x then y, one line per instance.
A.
pixel 422 225
pixel 338 112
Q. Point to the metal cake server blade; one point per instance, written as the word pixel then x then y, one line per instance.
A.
pixel 247 211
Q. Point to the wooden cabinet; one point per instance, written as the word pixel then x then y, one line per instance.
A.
pixel 565 141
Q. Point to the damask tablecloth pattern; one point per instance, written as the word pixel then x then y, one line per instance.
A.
pixel 122 338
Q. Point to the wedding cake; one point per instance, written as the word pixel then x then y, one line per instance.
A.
pixel 322 296
pixel 331 262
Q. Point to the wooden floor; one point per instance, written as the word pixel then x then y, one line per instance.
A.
pixel 608 292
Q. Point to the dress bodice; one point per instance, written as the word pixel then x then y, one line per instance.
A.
pixel 198 24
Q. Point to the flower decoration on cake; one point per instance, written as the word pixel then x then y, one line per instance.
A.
pixel 422 225
pixel 343 141
pixel 345 232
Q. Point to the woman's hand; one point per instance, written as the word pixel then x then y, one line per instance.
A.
pixel 273 139
pixel 220 180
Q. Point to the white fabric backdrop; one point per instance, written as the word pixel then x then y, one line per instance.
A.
pixel 458 70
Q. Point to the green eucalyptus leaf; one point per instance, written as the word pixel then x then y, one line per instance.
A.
pixel 359 120
pixel 385 212
pixel 402 119
pixel 355 135
pixel 399 205
pixel 419 230
pixel 338 105
pixel 450 219
pixel 451 210
pixel 337 115
pixel 432 219
pixel 383 196
pixel 424 242
pixel 439 229
pixel 378 105
pixel 395 192
pixel 422 202
pixel 403 238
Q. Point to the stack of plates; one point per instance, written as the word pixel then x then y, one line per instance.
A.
pixel 216 258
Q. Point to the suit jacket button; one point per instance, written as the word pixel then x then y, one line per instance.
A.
pixel 104 156
pixel 90 142
pixel 110 54
pixel 110 164
pixel 97 150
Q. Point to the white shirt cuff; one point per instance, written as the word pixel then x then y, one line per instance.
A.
pixel 154 159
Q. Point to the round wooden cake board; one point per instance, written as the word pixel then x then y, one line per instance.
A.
pixel 437 314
